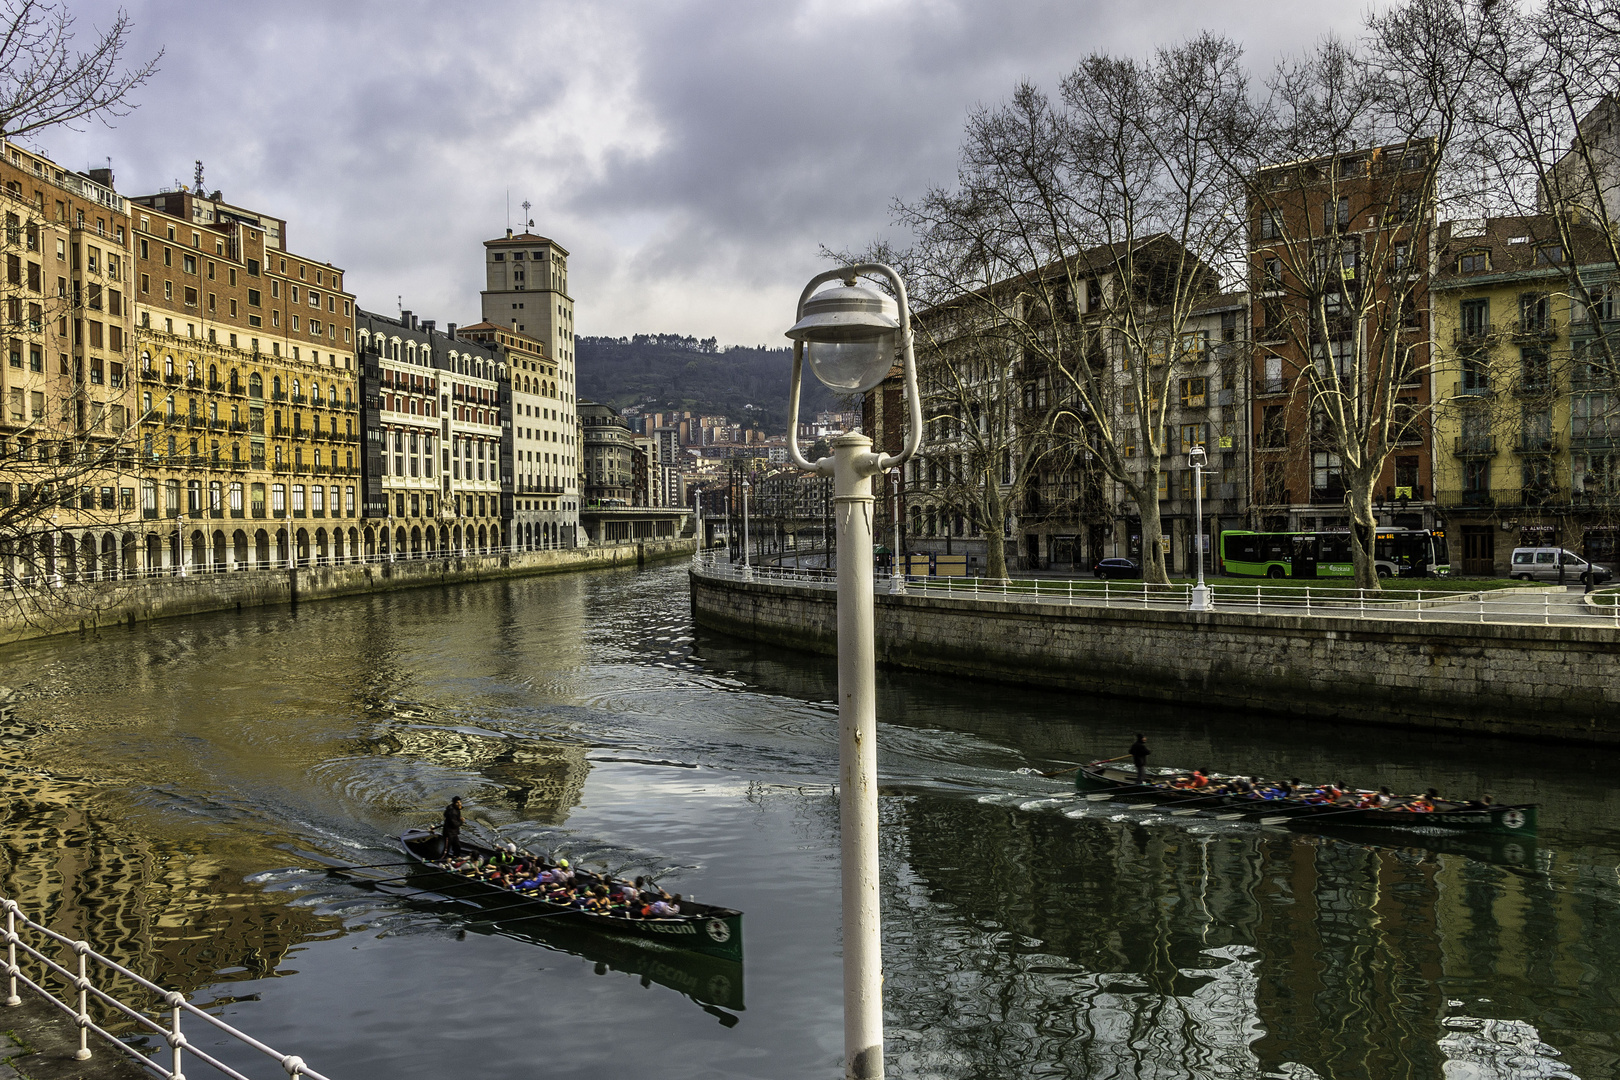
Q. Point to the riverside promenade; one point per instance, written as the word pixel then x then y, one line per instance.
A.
pixel 94 602
pixel 1535 662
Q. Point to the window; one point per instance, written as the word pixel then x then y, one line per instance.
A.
pixel 1549 255
pixel 1474 262
pixel 1194 392
pixel 1476 318
pixel 1269 229
pixel 278 497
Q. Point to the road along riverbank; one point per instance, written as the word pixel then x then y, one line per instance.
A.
pixel 77 607
pixel 1494 678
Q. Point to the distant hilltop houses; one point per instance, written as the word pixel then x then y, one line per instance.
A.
pixel 186 387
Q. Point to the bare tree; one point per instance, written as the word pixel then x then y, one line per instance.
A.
pixel 1342 235
pixel 45 82
pixel 1083 233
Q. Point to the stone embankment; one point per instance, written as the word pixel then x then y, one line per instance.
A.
pixel 1549 682
pixel 72 608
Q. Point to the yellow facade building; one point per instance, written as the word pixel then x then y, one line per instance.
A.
pixel 1515 435
pixel 249 397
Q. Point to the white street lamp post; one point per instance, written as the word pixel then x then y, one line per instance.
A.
pixel 180 542
pixel 897 577
pixel 851 335
pixel 748 569
pixel 1200 594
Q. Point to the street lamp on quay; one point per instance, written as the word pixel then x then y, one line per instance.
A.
pixel 850 335
pixel 1200 594
pixel 748 569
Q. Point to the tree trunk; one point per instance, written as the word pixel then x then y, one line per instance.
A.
pixel 1363 529
pixel 1147 503
pixel 995 545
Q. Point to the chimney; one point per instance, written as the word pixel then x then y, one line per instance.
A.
pixel 509 234
pixel 414 326
pixel 104 177
pixel 450 330
pixel 427 324
pixel 405 318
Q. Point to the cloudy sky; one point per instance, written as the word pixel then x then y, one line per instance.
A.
pixel 692 155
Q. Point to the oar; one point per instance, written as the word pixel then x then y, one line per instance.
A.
pixel 1331 813
pixel 369 866
pixel 1077 768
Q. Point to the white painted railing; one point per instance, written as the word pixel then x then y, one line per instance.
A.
pixel 173 1003
pixel 1546 606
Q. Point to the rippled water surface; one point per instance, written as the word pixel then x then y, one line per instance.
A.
pixel 169 792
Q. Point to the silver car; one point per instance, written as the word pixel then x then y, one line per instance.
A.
pixel 1556 564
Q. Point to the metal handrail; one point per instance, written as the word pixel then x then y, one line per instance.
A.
pixel 173 1001
pixel 1256 598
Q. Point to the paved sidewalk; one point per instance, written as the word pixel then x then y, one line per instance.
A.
pixel 48 1039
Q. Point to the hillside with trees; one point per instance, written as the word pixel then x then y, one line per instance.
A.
pixel 747 384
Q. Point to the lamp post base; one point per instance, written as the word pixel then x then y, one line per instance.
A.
pixel 1199 600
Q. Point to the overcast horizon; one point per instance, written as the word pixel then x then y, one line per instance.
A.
pixel 692 157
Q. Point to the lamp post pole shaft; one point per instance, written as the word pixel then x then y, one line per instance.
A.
pixel 853 468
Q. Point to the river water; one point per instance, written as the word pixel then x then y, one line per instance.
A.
pixel 169 791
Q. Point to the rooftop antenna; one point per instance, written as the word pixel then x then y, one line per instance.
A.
pixel 197 178
pixel 526 205
pixel 508 209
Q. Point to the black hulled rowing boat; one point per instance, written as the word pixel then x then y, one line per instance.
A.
pixel 701 928
pixel 1448 819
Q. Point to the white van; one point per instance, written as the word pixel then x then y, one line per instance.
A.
pixel 1545 563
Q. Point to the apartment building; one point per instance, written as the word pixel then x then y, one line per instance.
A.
pixel 1339 272
pixel 404 425
pixel 470 404
pixel 606 466
pixel 1208 407
pixel 1528 442
pixel 249 397
pixel 66 453
pixel 540 469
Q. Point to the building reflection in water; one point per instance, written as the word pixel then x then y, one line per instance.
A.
pixel 1100 948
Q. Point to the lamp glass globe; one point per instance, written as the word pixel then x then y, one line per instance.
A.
pixel 852 367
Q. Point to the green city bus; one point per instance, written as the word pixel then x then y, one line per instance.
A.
pixel 1396 553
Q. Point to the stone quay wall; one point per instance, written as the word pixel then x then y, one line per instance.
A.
pixel 74 608
pixel 1543 682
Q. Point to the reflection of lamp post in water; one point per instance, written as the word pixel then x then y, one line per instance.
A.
pixel 850 335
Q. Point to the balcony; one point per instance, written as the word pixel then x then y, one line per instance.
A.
pixel 1477 386
pixel 1271 387
pixel 1530 330
pixel 215 386
pixel 1468 499
pixel 236 427
pixel 1533 386
pixel 1539 444
pixel 1475 446
pixel 1540 495
pixel 1474 334
pixel 300 399
pixel 149 375
pixel 194 382
pixel 172 378
pixel 278 395
pixel 1395 493
pixel 237 390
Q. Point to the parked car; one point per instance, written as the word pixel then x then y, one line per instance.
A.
pixel 1116 568
pixel 1556 564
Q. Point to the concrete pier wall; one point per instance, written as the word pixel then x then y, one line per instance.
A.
pixel 72 608
pixel 1546 682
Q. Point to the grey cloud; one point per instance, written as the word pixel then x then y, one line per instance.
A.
pixel 691 155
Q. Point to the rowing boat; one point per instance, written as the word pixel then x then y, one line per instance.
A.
pixel 701 928
pixel 1448 819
